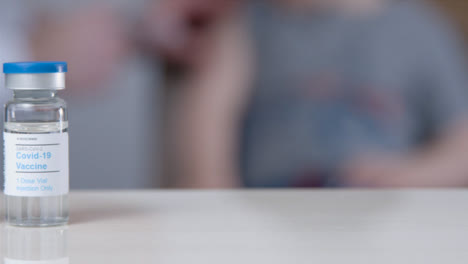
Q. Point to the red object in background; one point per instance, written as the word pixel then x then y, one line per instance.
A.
pixel 309 179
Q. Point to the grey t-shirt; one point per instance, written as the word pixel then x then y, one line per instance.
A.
pixel 331 86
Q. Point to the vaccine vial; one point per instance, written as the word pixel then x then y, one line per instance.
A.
pixel 36 145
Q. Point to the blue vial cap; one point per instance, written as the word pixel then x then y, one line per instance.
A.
pixel 35 67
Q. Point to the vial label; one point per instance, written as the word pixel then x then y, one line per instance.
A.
pixel 36 165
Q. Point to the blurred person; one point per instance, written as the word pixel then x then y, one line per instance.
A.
pixel 311 93
pixel 112 89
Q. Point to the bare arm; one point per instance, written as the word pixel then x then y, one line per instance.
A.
pixel 209 110
pixel 442 164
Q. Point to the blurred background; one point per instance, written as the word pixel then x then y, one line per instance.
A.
pixel 255 93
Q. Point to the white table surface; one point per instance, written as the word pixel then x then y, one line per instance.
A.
pixel 251 227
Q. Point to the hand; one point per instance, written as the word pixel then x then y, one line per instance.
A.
pixel 379 171
pixel 440 164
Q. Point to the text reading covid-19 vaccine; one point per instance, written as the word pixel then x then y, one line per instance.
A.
pixel 36 145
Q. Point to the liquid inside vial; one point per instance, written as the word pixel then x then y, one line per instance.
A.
pixel 36 211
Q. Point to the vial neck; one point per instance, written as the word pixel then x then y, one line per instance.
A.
pixel 34 94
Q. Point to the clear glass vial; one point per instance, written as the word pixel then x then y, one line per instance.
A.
pixel 35 245
pixel 36 145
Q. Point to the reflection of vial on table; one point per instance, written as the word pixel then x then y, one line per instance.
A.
pixel 35 245
pixel 36 145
